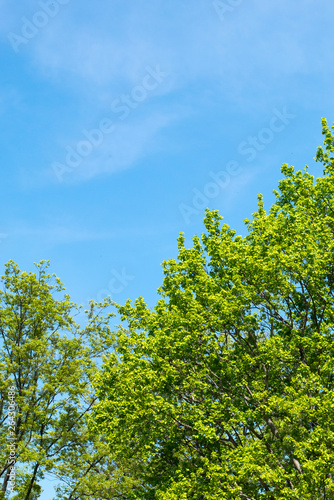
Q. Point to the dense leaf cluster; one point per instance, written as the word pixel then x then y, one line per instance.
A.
pixel 225 389
pixel 50 362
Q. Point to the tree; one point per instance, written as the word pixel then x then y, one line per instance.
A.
pixel 46 366
pixel 225 389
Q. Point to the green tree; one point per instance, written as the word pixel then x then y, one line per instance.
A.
pixel 46 366
pixel 225 389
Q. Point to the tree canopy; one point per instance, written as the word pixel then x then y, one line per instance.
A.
pixel 47 363
pixel 225 389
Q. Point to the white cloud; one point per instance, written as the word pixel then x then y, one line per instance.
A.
pixel 130 142
pixel 124 147
pixel 56 233
pixel 96 47
pixel 190 43
pixel 100 52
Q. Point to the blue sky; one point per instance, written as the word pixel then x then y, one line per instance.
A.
pixel 122 121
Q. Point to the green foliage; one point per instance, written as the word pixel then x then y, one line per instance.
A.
pixel 225 389
pixel 51 363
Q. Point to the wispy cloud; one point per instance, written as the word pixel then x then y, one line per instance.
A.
pixel 108 53
pixel 63 233
pixel 105 56
pixel 126 145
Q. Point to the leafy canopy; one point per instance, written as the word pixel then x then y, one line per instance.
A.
pixel 225 389
pixel 51 362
